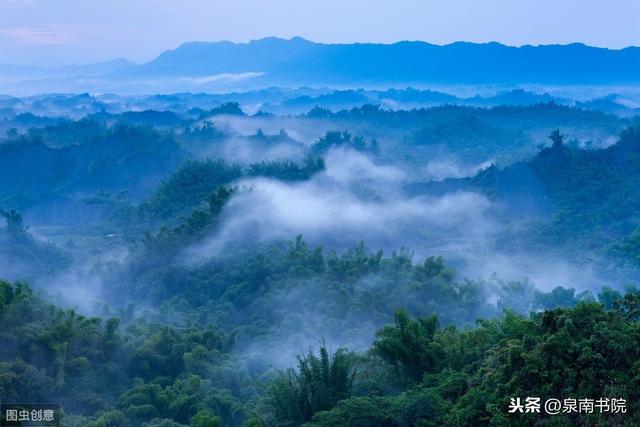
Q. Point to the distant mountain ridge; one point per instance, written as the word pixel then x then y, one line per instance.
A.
pixel 304 62
pixel 206 66
pixel 95 69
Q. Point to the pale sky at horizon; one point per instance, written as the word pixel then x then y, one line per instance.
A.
pixel 58 32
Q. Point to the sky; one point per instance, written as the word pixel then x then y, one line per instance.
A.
pixel 61 32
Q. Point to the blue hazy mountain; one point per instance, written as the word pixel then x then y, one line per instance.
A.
pixel 200 59
pixel 304 62
pixel 225 66
pixel 96 69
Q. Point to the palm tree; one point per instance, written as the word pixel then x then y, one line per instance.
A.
pixel 67 326
pixel 557 138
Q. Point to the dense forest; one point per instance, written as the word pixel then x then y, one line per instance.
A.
pixel 418 371
pixel 181 261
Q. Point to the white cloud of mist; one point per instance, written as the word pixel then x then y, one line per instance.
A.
pixel 306 131
pixel 355 199
pixel 344 166
pixel 331 209
pixel 304 320
pixel 440 169
pixel 545 271
pixel 82 284
pixel 247 151
pixel 242 147
pixel 222 77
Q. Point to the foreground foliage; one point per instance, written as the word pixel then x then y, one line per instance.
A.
pixel 104 372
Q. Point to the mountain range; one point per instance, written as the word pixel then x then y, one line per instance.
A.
pixel 294 62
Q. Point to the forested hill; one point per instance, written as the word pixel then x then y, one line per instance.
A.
pixel 125 155
pixel 54 178
pixel 586 198
pixel 115 371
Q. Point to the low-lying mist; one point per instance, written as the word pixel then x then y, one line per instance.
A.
pixel 363 193
pixel 358 199
pixel 353 200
